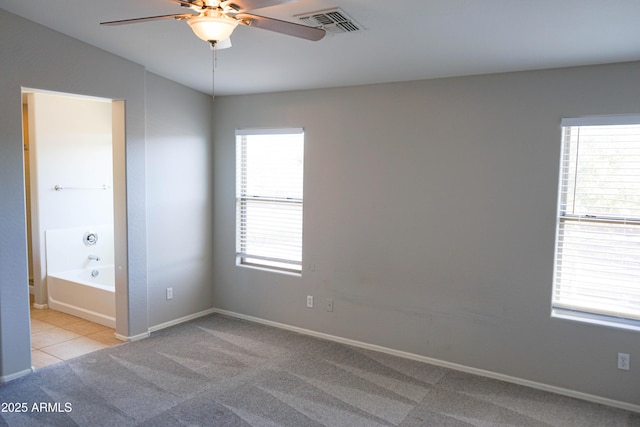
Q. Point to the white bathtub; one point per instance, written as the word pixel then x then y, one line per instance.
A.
pixel 77 293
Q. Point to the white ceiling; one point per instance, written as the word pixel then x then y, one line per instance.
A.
pixel 402 40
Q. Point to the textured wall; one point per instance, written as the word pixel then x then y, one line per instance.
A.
pixel 430 220
pixel 179 219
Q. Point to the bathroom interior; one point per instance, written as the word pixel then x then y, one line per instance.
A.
pixel 69 171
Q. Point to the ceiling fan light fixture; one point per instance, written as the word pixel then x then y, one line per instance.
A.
pixel 212 28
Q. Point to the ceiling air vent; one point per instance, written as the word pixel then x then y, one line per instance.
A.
pixel 333 20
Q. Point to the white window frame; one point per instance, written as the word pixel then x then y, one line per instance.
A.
pixel 596 290
pixel 269 220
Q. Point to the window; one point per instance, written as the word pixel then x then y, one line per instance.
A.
pixel 269 178
pixel 597 269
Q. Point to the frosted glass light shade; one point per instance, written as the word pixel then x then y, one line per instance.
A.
pixel 212 28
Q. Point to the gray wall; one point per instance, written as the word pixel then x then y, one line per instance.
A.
pixel 36 57
pixel 430 220
pixel 179 216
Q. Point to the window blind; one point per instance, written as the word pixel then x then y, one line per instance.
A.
pixel 269 198
pixel 597 267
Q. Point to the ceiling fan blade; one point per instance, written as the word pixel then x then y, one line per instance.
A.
pixel 197 3
pixel 283 27
pixel 148 18
pixel 247 5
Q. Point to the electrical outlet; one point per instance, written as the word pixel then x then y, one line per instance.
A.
pixel 310 301
pixel 329 305
pixel 623 361
pixel 169 293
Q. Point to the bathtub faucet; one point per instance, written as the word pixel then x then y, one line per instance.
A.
pixel 94 257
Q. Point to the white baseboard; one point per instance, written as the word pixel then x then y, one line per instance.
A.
pixel 438 362
pixel 165 325
pixel 92 316
pixel 15 376
pixel 181 320
pixel 40 306
pixel 133 337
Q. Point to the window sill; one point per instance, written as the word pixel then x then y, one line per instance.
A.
pixel 269 270
pixel 595 319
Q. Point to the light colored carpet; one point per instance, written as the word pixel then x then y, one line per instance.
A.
pixel 219 371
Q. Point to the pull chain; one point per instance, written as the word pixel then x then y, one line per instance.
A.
pixel 213 70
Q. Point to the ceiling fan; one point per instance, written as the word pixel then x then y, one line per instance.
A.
pixel 215 20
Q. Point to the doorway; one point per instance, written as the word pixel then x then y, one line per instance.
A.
pixel 69 175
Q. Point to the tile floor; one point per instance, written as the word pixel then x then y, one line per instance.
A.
pixel 57 336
